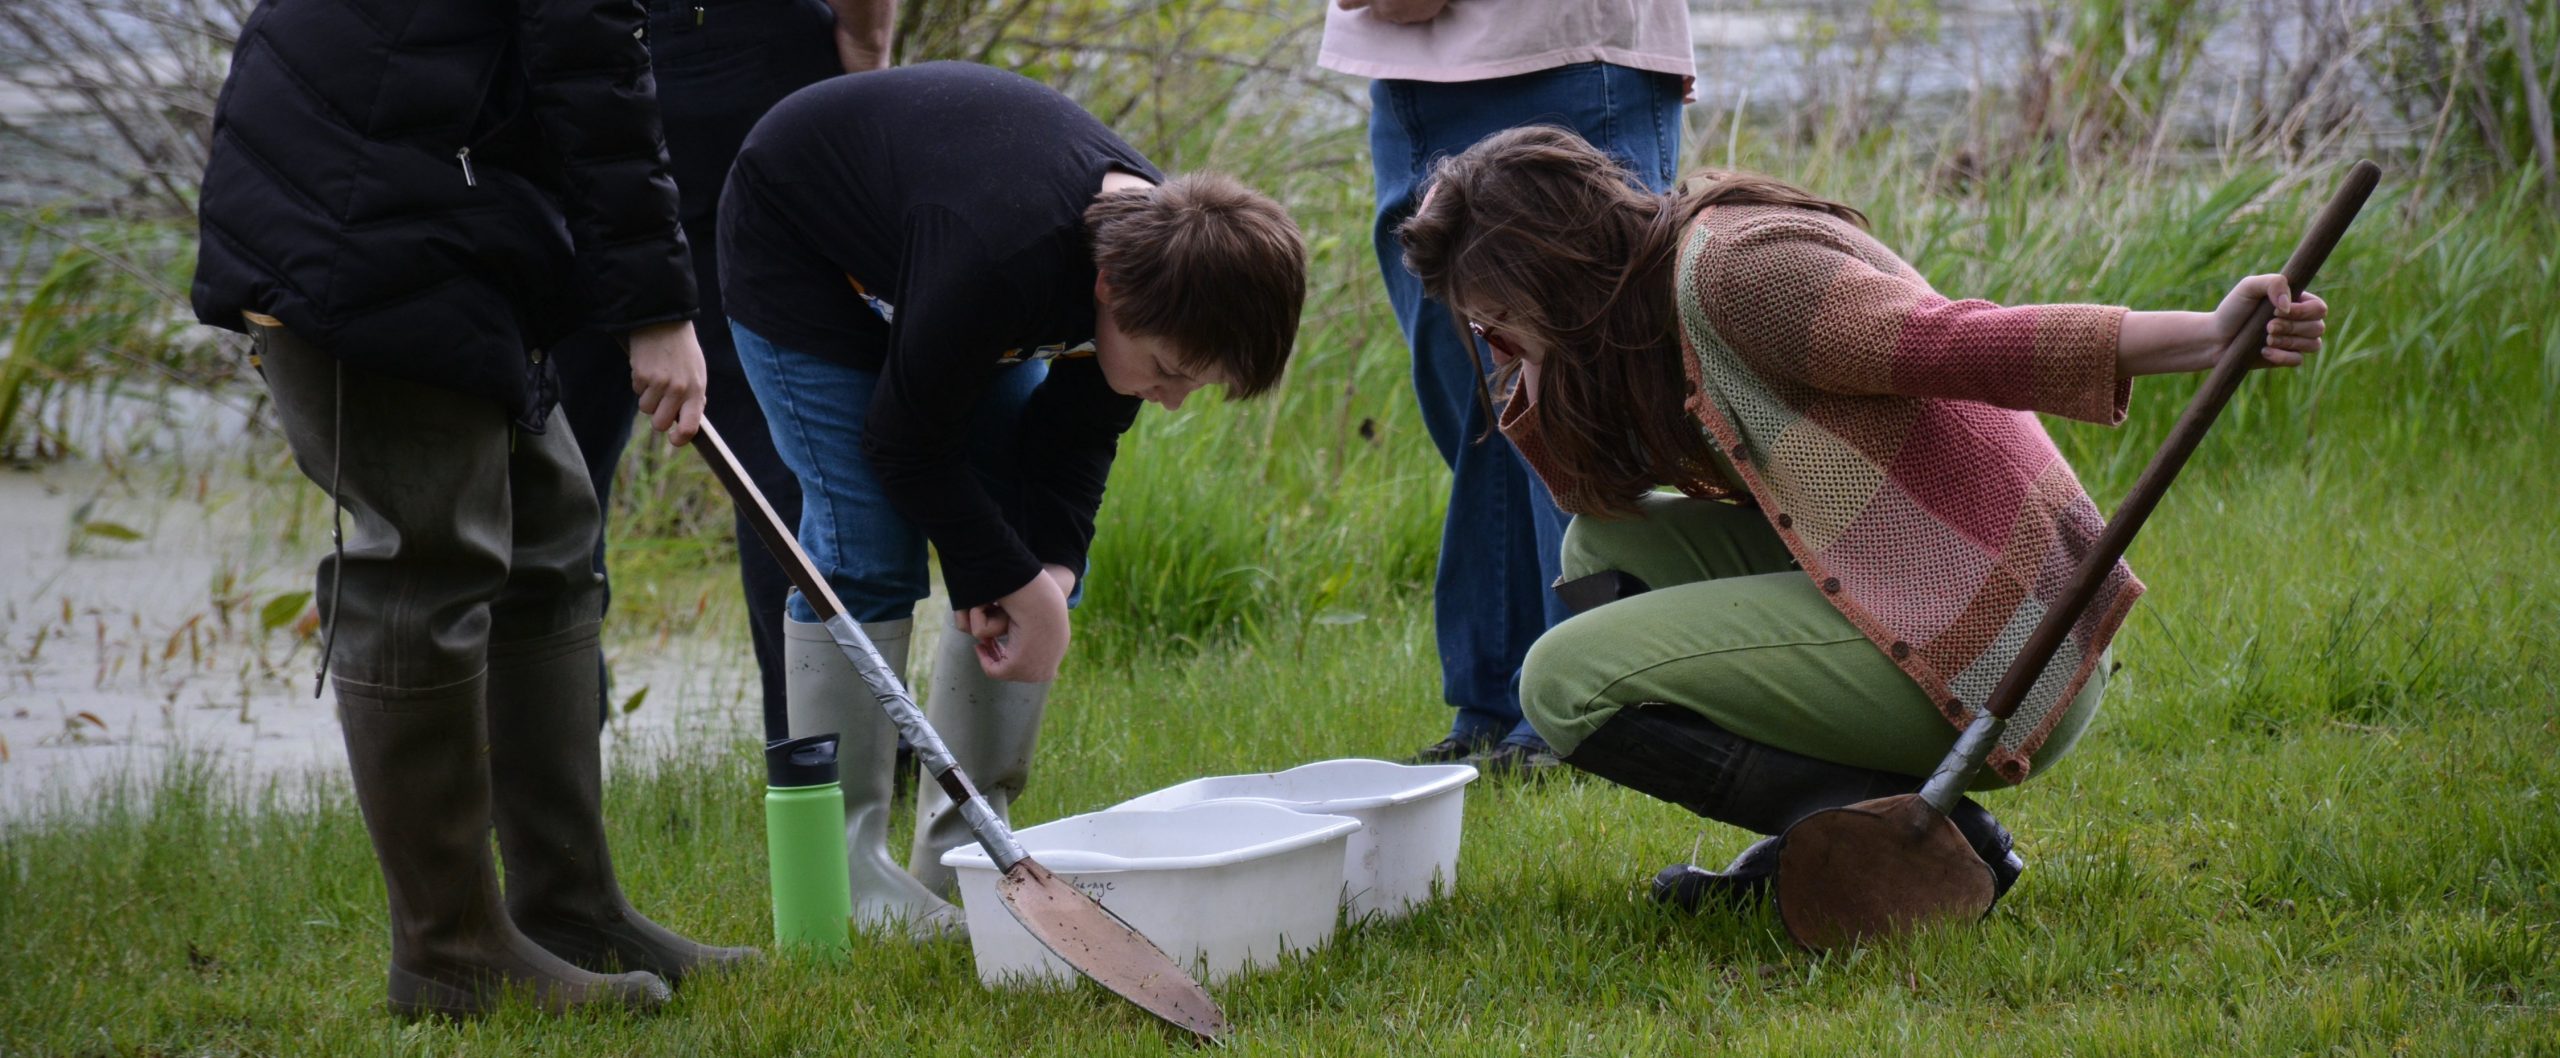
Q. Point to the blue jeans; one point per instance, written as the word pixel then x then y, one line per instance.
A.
pixel 1499 546
pixel 874 559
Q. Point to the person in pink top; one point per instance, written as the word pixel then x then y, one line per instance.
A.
pixel 1869 517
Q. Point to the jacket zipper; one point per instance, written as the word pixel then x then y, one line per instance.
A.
pixel 468 179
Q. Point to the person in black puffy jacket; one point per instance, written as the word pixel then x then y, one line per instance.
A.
pixel 406 203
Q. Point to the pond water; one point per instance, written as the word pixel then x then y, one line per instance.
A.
pixel 1779 51
pixel 131 633
pixel 1919 59
pixel 131 627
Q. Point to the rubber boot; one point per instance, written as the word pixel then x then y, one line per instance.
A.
pixel 421 775
pixel 547 773
pixel 824 694
pixel 1679 756
pixel 1742 883
pixel 991 727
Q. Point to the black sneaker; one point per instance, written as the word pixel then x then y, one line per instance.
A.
pixel 1512 760
pixel 1449 750
pixel 1749 878
pixel 1744 882
pixel 1992 842
pixel 2006 865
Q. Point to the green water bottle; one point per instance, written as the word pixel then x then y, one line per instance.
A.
pixel 804 843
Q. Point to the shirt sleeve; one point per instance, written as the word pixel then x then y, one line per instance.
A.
pixel 955 313
pixel 1792 300
pixel 1070 432
pixel 1523 427
pixel 597 106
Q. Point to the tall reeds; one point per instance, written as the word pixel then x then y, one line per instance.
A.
pixel 2132 153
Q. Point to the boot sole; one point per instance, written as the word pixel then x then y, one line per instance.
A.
pixel 414 997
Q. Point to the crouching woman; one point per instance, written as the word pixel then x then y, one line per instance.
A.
pixel 1869 517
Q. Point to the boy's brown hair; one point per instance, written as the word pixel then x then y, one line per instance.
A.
pixel 1210 265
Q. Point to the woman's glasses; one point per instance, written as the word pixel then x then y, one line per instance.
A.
pixel 1501 345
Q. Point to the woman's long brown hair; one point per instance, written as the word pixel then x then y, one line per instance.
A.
pixel 1578 256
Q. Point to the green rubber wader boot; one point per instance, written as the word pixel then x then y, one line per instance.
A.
pixel 547 774
pixel 421 768
pixel 824 694
pixel 991 727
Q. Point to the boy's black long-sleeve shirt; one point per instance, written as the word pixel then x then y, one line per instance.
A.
pixel 927 222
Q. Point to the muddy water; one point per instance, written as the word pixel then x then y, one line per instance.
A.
pixel 1919 68
pixel 139 638
pixel 112 650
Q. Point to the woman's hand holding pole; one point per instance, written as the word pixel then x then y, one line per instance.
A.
pixel 2166 343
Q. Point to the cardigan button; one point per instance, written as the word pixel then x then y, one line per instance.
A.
pixel 1786 521
pixel 1901 650
pixel 1831 585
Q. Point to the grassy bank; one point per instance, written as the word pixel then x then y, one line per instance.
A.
pixel 2316 815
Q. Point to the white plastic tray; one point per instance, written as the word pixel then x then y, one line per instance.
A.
pixel 1410 816
pixel 1222 887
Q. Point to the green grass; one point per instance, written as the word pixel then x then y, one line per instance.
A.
pixel 2316 815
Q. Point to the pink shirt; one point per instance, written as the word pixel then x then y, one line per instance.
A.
pixel 1475 40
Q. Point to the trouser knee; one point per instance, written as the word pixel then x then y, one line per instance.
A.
pixel 1558 697
pixel 458 528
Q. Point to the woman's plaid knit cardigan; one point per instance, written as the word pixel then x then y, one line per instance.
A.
pixel 1890 436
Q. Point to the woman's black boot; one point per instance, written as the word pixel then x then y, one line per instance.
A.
pixel 1679 756
pixel 1742 883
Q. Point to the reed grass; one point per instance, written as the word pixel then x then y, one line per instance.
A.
pixel 2316 814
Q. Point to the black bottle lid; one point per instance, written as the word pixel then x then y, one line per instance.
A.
pixel 809 760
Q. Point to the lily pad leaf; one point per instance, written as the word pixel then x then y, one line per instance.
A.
pixel 111 530
pixel 281 610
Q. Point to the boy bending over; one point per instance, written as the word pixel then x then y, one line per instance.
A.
pixel 951 288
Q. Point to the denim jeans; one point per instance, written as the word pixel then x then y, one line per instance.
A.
pixel 872 557
pixel 1491 596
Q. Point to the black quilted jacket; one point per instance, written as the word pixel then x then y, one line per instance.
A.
pixel 438 189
